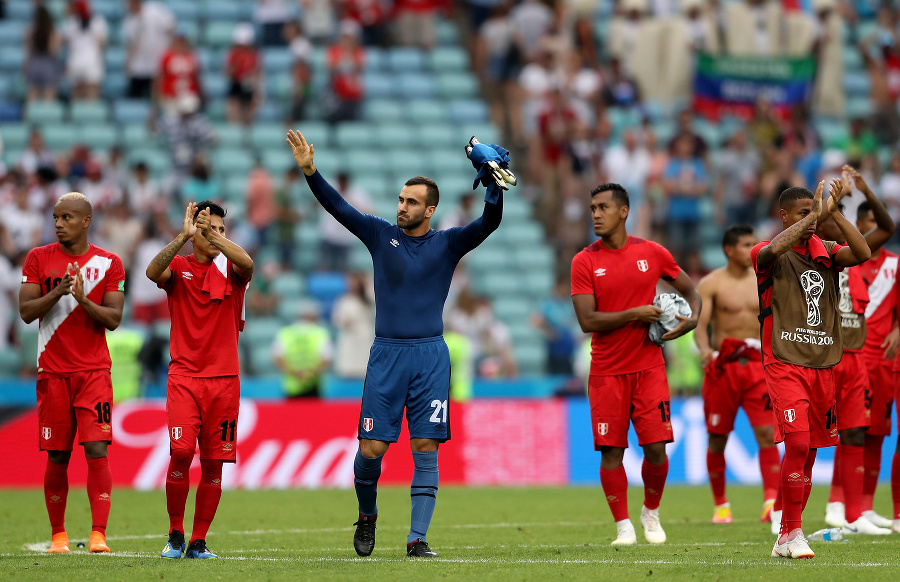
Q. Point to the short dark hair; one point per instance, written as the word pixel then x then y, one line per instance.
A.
pixel 791 195
pixel 619 194
pixel 432 194
pixel 214 209
pixel 863 209
pixel 734 233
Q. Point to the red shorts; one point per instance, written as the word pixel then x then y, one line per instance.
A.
pixel 641 397
pixel 82 400
pixel 204 410
pixel 738 384
pixel 803 401
pixel 851 392
pixel 881 393
pixel 150 313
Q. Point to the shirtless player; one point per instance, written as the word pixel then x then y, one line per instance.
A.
pixel 728 338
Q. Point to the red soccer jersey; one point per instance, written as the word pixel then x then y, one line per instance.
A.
pixel 204 337
pixel 762 275
pixel 179 75
pixel 620 279
pixel 70 340
pixel 243 62
pixel 880 276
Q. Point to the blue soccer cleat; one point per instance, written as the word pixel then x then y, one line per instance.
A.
pixel 198 551
pixel 175 546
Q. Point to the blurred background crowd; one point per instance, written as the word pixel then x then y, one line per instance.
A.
pixel 146 105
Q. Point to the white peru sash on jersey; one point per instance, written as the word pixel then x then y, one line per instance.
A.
pixel 882 285
pixel 67 303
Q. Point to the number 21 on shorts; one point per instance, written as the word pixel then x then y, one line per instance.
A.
pixel 439 408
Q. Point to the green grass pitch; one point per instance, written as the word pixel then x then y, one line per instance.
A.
pixel 480 534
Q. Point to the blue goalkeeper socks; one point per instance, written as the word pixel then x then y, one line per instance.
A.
pixel 366 472
pixel 423 493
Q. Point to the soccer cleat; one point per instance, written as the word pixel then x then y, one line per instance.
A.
pixel 653 531
pixel 776 522
pixel 863 526
pixel 834 514
pixel 364 537
pixel 878 520
pixel 625 535
pixel 722 514
pixel 766 516
pixel 895 525
pixel 97 543
pixel 198 551
pixel 59 543
pixel 175 546
pixel 797 548
pixel 419 549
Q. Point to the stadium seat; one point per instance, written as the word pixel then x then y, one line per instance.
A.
pixel 112 10
pixel 277 60
pixel 831 132
pixel 406 162
pixel 377 186
pixel 426 111
pixel 234 188
pixel 325 287
pixel 457 85
pixel 157 159
pixel 231 135
pixel 60 136
pixel 488 260
pixel 278 161
pixel 14 135
pixel 444 59
pixel 10 112
pixel 279 86
pixel 438 135
pixel 267 135
pixel 468 111
pixel 114 58
pixel 131 111
pixel 228 161
pixel 191 30
pixel 20 10
pixel 531 257
pixel 354 135
pixel 218 33
pixel 527 233
pixel 222 10
pixel 531 358
pixel 270 112
pixel 384 110
pixel 114 85
pixel 89 112
pixel 288 285
pixel 260 330
pixel 857 83
pixel 317 133
pixel 360 260
pixel 376 59
pixel 497 284
pixel 43 112
pixel 406 60
pixel 9 363
pixel 11 34
pixel 214 84
pixel 136 135
pixel 450 160
pixel 378 85
pixel 395 135
pixel 415 85
pixel 485 132
pixel 513 309
pixel 858 107
pixel 538 283
pixel 98 136
pixel 446 32
pixel 11 59
pixel 365 160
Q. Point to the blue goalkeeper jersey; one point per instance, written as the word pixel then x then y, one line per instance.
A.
pixel 412 274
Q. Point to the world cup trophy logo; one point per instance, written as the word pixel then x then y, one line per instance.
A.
pixel 813 285
pixel 845 304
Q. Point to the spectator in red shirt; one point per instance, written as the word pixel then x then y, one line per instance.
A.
pixel 371 16
pixel 346 61
pixel 243 68
pixel 556 123
pixel 179 75
pixel 415 22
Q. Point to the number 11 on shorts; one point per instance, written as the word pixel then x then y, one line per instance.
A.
pixel 439 406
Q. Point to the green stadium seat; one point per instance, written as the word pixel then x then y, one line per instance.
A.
pixel 137 135
pixel 233 161
pixel 457 85
pixel 61 136
pixel 28 344
pixel 355 135
pixel 377 186
pixel 538 284
pixel 360 260
pixel 378 85
pixel 468 111
pixel 11 34
pixel 831 132
pixel 231 135
pixel 392 135
pixel 222 10
pixel 89 112
pixel 384 110
pixel 131 111
pixel 488 260
pixel 525 234
pixel 9 363
pixel 215 84
pixel 438 135
pixel 513 310
pixel 386 209
pixel 156 159
pixel 279 85
pixel 306 235
pixel 485 132
pixel 317 133
pixel 365 160
pixel 859 107
pixel 277 60
pixel 218 33
pixel 114 85
pixel 234 188
pixel 446 32
pixel 11 59
pixel 114 57
pixel 184 11
pixel 415 85
pixel 531 358
pixel 407 162
pixel 278 161
pixel 112 10
pixel 449 160
pixel 445 58
pixel 535 256
pixel 99 137
pixel 498 284
pixel 15 135
pixel 288 285
pixel 268 135
pixel 406 60
pixel 260 330
pixel 426 111
pixel 376 59
pixel 43 112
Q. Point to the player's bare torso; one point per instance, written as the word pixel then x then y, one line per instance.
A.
pixel 735 306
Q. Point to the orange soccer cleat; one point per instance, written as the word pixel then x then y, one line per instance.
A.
pixel 97 543
pixel 59 544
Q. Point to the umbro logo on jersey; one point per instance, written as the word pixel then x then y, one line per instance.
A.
pixel 790 415
pixel 187 275
pixel 600 272
pixel 643 266
pixel 394 243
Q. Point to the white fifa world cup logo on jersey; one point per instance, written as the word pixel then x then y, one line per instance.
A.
pixel 176 432
pixel 603 428
pixel 643 266
pixel 845 304
pixel 45 432
pixel 368 423
pixel 813 285
pixel 790 415
pixel 91 273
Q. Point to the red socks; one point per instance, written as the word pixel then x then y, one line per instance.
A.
pixel 615 487
pixel 99 488
pixel 895 484
pixel 852 473
pixel 872 463
pixel 177 486
pixel 807 476
pixel 836 493
pixel 715 466
pixel 796 452
pixel 654 477
pixel 56 491
pixel 209 491
pixel 770 469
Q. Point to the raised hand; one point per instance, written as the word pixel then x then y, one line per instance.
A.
pixel 853 174
pixel 188 228
pixel 817 199
pixel 203 223
pixel 837 192
pixel 303 152
pixel 65 284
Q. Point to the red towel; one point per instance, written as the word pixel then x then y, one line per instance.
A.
pixel 819 253
pixel 734 349
pixel 219 285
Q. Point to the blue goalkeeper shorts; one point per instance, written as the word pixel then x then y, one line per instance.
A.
pixel 412 374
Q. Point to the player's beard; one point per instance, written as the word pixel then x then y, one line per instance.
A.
pixel 410 222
